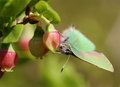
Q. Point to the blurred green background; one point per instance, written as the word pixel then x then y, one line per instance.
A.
pixel 99 20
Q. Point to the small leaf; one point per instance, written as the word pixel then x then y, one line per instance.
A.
pixel 41 6
pixel 52 16
pixel 44 8
pixel 33 2
pixel 13 35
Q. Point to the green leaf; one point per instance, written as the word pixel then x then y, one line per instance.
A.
pixel 52 16
pixel 2 21
pixel 11 8
pixel 41 6
pixel 78 40
pixel 44 8
pixel 95 58
pixel 14 34
pixel 33 2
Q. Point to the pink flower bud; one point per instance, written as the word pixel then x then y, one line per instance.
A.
pixel 25 38
pixel 24 43
pixel 8 59
pixel 52 38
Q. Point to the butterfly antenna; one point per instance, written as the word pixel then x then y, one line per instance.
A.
pixel 65 63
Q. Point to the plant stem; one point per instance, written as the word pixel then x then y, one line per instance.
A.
pixel 46 20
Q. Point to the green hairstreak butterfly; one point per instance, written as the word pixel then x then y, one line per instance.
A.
pixel 74 43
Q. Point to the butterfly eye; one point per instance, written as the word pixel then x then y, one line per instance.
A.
pixel 61 47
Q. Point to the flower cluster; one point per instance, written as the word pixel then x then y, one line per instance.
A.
pixel 36 44
pixel 42 41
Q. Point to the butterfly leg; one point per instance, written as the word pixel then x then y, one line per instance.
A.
pixel 58 52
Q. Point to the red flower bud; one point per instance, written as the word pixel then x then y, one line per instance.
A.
pixel 8 59
pixel 52 38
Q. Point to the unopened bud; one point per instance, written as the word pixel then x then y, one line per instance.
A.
pixel 8 59
pixel 52 38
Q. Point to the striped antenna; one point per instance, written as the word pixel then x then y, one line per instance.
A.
pixel 65 63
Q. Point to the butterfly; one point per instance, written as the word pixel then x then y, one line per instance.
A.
pixel 74 43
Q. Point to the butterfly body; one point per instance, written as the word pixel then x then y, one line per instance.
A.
pixel 65 48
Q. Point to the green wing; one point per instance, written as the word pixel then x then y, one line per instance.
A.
pixel 95 58
pixel 78 40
